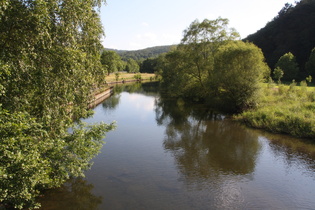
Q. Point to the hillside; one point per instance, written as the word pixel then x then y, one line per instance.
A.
pixel 144 53
pixel 293 30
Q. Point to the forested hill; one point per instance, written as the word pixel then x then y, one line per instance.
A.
pixel 293 30
pixel 144 53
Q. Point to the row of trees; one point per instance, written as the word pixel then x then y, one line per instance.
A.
pixel 287 67
pixel 211 63
pixel 143 54
pixel 112 62
pixel 49 60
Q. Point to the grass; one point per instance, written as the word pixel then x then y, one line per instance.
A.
pixel 286 109
pixel 128 76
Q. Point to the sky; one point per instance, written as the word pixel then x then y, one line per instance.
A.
pixel 139 24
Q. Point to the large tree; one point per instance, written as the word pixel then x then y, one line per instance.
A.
pixel 111 61
pixel 238 72
pixel 200 43
pixel 288 64
pixel 211 64
pixel 132 66
pixel 49 60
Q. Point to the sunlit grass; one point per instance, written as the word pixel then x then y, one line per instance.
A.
pixel 127 76
pixel 284 109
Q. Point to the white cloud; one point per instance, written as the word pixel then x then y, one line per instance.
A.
pixel 145 24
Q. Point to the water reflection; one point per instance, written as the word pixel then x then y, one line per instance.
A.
pixel 212 154
pixel 204 143
pixel 111 103
pixel 166 154
pixel 295 152
pixel 76 194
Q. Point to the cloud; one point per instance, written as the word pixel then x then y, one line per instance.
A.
pixel 145 24
pixel 147 36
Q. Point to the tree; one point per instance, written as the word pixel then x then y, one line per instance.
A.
pixel 132 66
pixel 49 61
pixel 148 65
pixel 200 43
pixel 291 31
pixel 210 64
pixel 310 65
pixel 190 65
pixel 239 70
pixel 278 74
pixel 288 64
pixel 111 61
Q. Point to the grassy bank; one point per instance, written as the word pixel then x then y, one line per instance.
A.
pixel 286 109
pixel 122 76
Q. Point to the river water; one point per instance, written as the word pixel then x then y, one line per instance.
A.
pixel 166 154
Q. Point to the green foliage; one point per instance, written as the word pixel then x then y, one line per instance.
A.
pixel 288 64
pixel 117 76
pixel 190 65
pixel 278 74
pixel 310 64
pixel 287 110
pixel 139 55
pixel 238 71
pixel 292 31
pixel 309 79
pixel 49 62
pixel 132 66
pixel 137 76
pixel 31 160
pixel 149 65
pixel 111 62
pixel 209 65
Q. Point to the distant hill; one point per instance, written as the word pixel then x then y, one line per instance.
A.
pixel 293 30
pixel 143 54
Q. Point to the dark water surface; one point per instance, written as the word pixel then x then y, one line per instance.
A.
pixel 167 155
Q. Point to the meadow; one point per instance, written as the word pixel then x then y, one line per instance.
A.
pixel 288 109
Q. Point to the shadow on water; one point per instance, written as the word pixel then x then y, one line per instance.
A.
pixel 205 143
pixel 76 194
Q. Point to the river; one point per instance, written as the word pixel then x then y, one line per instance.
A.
pixel 166 154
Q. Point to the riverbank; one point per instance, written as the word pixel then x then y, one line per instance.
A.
pixel 102 93
pixel 287 109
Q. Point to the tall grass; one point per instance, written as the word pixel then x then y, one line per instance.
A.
pixel 286 109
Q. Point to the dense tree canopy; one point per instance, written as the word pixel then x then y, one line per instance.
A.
pixel 210 63
pixel 292 30
pixel 287 63
pixel 238 71
pixel 132 66
pixel 111 61
pixel 149 65
pixel 310 65
pixel 140 55
pixel 49 60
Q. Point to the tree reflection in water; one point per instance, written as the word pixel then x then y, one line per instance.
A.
pixel 76 194
pixel 204 143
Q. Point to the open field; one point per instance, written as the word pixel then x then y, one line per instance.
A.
pixel 128 76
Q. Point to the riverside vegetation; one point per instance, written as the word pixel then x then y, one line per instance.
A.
pixel 49 62
pixel 51 59
pixel 287 109
pixel 212 65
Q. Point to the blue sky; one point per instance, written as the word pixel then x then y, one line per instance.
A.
pixel 138 24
